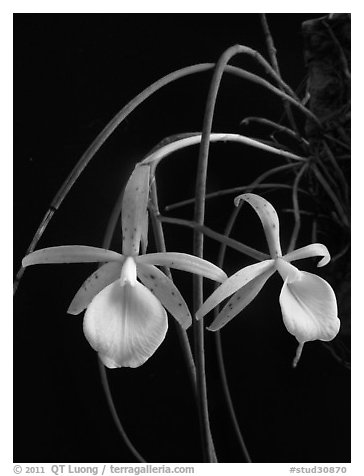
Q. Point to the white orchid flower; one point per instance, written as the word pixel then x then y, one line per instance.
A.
pixel 125 320
pixel 308 302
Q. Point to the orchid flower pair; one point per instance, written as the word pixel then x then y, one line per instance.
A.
pixel 308 302
pixel 125 320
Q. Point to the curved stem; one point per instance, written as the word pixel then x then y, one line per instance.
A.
pixel 198 243
pixel 114 414
pixel 198 327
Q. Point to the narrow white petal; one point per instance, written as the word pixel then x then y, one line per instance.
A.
pixel 166 292
pixel 125 324
pixel 309 308
pixel 316 249
pixel 232 284
pixel 184 262
pixel 240 300
pixel 102 277
pixel 70 254
pixel 269 218
pixel 134 209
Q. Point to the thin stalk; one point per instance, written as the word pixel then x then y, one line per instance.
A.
pixel 296 209
pixel 272 51
pixel 236 245
pixel 219 350
pixel 338 170
pixel 231 191
pixel 250 187
pixel 340 50
pixel 337 141
pixel 199 215
pixel 114 414
pixel 267 122
pixel 332 195
pixel 161 247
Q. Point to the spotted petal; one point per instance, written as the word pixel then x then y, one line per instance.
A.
pixel 232 284
pixel 309 308
pixel 71 254
pixel 166 291
pixel 269 218
pixel 316 249
pixel 102 277
pixel 134 209
pixel 240 300
pixel 184 262
pixel 125 324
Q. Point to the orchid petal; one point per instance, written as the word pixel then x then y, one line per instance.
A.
pixel 309 308
pixel 95 283
pixel 240 300
pixel 71 254
pixel 125 324
pixel 184 262
pixel 166 291
pixel 134 209
pixel 316 249
pixel 232 284
pixel 269 218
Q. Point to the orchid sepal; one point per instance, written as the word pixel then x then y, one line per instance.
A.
pixel 96 282
pixel 232 284
pixel 134 215
pixel 184 262
pixel 166 291
pixel 71 254
pixel 309 251
pixel 269 219
pixel 241 299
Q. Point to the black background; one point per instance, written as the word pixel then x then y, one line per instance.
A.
pixel 72 73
